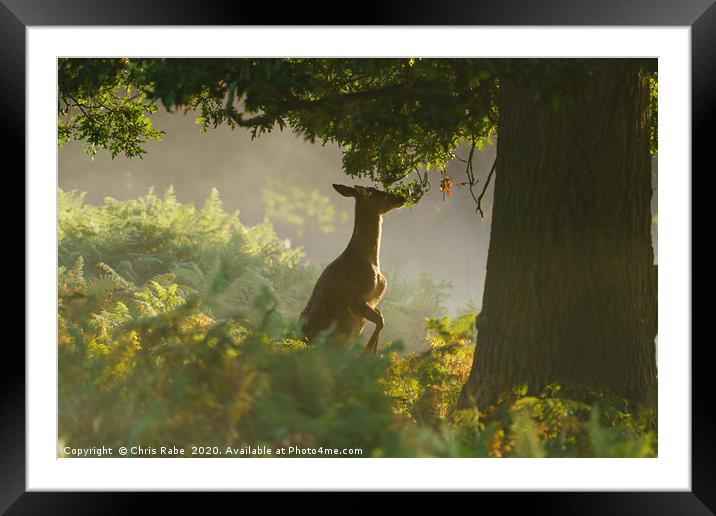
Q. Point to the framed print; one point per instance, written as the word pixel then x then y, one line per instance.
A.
pixel 414 253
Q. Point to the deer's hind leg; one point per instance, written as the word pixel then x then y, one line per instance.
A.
pixel 373 315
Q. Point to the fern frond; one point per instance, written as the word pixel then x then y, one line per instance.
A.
pixel 77 272
pixel 116 278
pixel 103 285
pixel 108 319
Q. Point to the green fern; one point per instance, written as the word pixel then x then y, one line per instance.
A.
pixel 103 285
pixel 118 280
pixel 77 272
pixel 107 320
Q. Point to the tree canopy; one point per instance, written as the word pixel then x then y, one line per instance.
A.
pixel 395 119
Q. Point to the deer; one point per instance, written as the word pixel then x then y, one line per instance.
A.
pixel 349 288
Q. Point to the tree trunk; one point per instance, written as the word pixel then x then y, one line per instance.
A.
pixel 570 290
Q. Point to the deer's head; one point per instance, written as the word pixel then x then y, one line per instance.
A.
pixel 371 198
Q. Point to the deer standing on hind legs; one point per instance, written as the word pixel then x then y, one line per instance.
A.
pixel 349 289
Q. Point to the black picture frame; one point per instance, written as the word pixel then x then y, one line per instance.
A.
pixel 700 15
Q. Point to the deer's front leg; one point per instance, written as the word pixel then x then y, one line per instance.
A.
pixel 373 315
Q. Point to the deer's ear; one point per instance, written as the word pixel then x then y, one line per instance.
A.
pixel 361 191
pixel 345 191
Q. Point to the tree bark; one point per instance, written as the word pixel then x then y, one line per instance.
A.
pixel 570 293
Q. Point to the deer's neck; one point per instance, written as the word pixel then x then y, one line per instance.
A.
pixel 365 242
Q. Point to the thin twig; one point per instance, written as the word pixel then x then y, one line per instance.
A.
pixel 484 189
pixel 469 171
pixel 417 172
